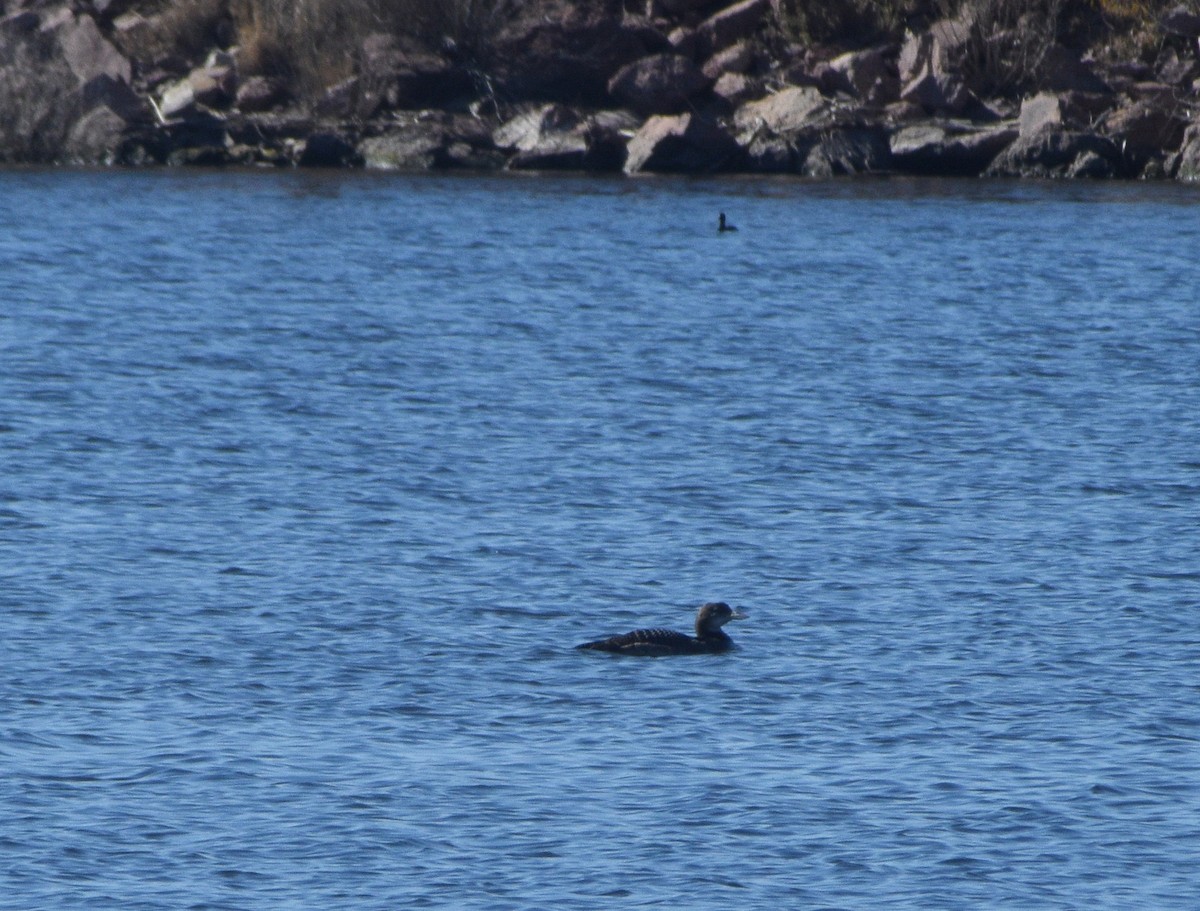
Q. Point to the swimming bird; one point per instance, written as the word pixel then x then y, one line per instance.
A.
pixel 722 226
pixel 709 638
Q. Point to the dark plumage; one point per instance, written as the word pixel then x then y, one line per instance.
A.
pixel 709 638
pixel 722 226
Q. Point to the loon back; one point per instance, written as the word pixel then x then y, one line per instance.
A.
pixel 655 642
pixel 709 638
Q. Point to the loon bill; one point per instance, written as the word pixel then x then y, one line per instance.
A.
pixel 709 639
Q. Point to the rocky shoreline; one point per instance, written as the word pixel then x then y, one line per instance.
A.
pixel 681 86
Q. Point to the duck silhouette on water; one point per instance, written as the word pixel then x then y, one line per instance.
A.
pixel 723 226
pixel 710 639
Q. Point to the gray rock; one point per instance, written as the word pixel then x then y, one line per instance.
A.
pixel 737 58
pixel 1181 21
pixel 52 78
pixel 531 128
pixel 736 88
pixel 214 86
pixel 258 93
pixel 767 153
pixel 1145 128
pixel 680 143
pixel 1053 153
pixel 340 101
pixel 855 150
pixel 433 139
pixel 409 148
pixel 20 24
pixel 733 24
pixel 95 138
pixel 567 52
pixel 864 74
pixel 938 93
pixel 1062 70
pixel 951 149
pixel 659 84
pixel 1093 166
pixel 548 137
pixel 561 151
pixel 1185 165
pixel 790 109
pixel 400 73
pixel 89 54
pixel 1044 111
pixel 926 68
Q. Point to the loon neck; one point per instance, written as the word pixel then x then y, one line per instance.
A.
pixel 715 634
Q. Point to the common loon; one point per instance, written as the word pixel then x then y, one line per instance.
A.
pixel 721 226
pixel 709 638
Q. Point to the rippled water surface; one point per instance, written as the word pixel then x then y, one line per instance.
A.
pixel 308 484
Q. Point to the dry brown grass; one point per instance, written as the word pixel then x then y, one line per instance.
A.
pixel 184 28
pixel 1008 42
pixel 313 44
pixel 853 22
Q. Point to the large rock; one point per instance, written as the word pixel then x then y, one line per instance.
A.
pixel 735 89
pixel 1044 111
pixel 56 69
pixel 96 138
pixel 938 93
pixel 1145 128
pixel 1062 70
pixel 530 128
pixel 1181 21
pixel 1065 110
pixel 259 93
pixel 867 74
pixel 826 148
pixel 659 84
pixel 410 147
pixel 854 150
pixel 556 138
pixel 733 24
pixel 682 143
pixel 1057 153
pixel 949 148
pixel 432 139
pixel 544 138
pixel 396 72
pixel 1185 165
pixel 790 109
pixel 737 58
pixel 928 68
pixel 89 54
pixel 568 54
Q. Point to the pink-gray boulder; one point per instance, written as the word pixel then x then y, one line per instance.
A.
pixel 682 143
pixel 949 148
pixel 567 51
pixel 658 84
pixel 56 70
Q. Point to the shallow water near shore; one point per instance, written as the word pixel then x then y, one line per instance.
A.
pixel 309 483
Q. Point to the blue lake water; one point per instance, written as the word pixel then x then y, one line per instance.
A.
pixel 309 483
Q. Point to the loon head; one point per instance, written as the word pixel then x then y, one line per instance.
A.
pixel 713 616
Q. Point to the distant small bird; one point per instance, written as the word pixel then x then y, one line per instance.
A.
pixel 709 639
pixel 722 226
